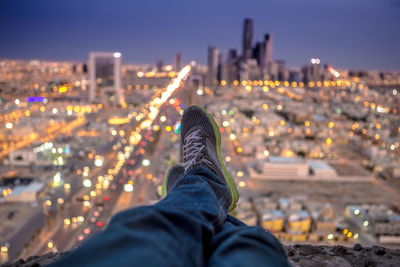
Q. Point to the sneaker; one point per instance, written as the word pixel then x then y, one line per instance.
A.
pixel 201 143
pixel 171 177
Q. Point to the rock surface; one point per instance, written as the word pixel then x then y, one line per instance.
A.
pixel 298 255
pixel 310 256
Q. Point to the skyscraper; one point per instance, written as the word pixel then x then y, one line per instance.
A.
pixel 247 38
pixel 160 65
pixel 315 69
pixel 311 73
pixel 258 53
pixel 267 50
pixel 178 59
pixel 213 56
pixel 220 69
pixel 232 66
pixel 105 77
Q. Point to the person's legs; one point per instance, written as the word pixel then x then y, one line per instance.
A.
pixel 240 245
pixel 174 232
pixel 181 229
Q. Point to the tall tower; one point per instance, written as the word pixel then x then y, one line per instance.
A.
pixel 220 68
pixel 315 69
pixel 232 66
pixel 213 56
pixel 105 77
pixel 268 49
pixel 178 59
pixel 247 38
pixel 258 53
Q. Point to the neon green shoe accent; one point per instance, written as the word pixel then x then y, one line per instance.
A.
pixel 164 185
pixel 228 178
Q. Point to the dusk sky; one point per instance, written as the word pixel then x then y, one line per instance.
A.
pixel 361 34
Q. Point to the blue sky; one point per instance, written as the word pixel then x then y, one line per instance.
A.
pixel 360 34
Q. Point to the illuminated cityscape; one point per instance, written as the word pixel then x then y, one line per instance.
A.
pixel 314 149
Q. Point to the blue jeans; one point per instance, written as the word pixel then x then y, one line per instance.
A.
pixel 189 227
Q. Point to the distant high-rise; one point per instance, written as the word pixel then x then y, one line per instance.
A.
pixel 267 50
pixel 159 65
pixel 282 74
pixel 315 69
pixel 232 56
pixel 232 66
pixel 178 59
pixel 105 77
pixel 311 73
pixel 247 38
pixel 253 63
pixel 220 68
pixel 258 53
pixel 213 56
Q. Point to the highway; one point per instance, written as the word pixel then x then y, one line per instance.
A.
pixel 96 218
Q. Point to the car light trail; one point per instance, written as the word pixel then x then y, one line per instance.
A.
pixel 156 103
pixel 153 110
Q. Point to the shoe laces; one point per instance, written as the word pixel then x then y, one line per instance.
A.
pixel 192 150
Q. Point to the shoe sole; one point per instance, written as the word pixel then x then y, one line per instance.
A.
pixel 228 178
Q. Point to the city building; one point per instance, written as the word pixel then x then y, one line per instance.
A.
pixel 105 77
pixel 268 57
pixel 232 71
pixel 255 63
pixel 213 63
pixel 247 40
pixel 178 61
pixel 282 168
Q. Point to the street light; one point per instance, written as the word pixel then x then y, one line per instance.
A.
pixel 145 162
pixel 87 183
pixel 57 178
pixel 98 162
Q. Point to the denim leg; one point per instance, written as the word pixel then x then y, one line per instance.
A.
pixel 176 231
pixel 240 245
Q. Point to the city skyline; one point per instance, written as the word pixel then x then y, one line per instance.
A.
pixel 294 104
pixel 366 44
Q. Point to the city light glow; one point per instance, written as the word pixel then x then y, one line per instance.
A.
pixel 313 149
pixel 87 183
pixel 128 187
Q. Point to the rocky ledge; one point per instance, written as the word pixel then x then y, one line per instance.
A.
pixel 299 256
pixel 310 256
